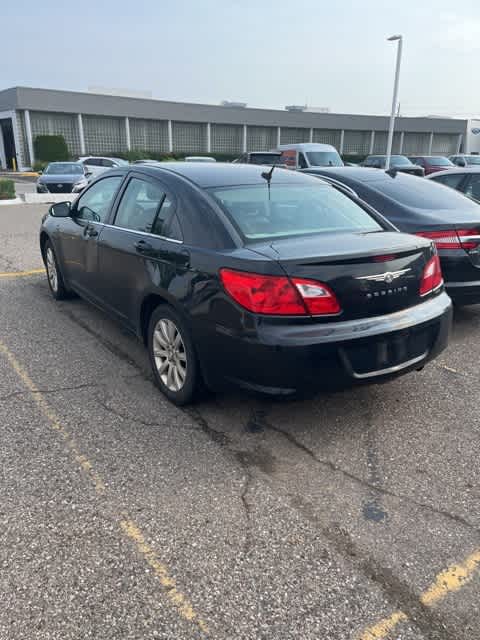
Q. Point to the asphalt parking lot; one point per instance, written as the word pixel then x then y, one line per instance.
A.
pixel 348 516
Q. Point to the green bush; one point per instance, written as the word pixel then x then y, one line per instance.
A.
pixel 39 165
pixel 7 189
pixel 51 148
pixel 164 156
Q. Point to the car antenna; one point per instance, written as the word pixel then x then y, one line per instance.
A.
pixel 267 175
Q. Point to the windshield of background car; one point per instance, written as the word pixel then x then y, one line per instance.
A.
pixel 440 161
pixel 64 168
pixel 473 160
pixel 419 193
pixel 400 161
pixel 292 210
pixel 324 159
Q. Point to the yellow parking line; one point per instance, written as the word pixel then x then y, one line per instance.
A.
pixel 127 526
pixel 381 628
pixel 21 274
pixel 448 581
pixel 178 599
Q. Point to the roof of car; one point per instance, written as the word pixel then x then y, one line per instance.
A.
pixel 219 174
pixel 307 146
pixel 449 172
pixel 360 174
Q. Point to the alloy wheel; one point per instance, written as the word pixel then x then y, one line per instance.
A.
pixel 52 270
pixel 169 354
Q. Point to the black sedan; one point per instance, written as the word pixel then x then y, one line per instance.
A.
pixel 466 180
pixel 63 177
pixel 430 210
pixel 230 274
pixel 397 163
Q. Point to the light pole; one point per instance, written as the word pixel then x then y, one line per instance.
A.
pixel 399 39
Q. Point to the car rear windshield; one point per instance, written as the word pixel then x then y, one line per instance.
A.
pixel 419 193
pixel 324 159
pixel 440 161
pixel 63 168
pixel 265 158
pixel 292 210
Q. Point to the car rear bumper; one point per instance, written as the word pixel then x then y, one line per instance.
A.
pixel 282 358
pixel 464 292
pixel 462 277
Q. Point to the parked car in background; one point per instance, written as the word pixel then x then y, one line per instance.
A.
pixel 465 160
pixel 63 177
pixel 465 180
pixel 97 165
pixel 278 284
pixel 431 164
pixel 304 155
pixel 260 157
pixel 397 163
pixel 430 210
pixel 199 159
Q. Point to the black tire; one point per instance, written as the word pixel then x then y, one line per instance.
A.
pixel 54 275
pixel 162 318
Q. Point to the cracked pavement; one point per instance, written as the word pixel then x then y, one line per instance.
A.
pixel 276 519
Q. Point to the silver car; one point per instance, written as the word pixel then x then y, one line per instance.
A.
pixel 96 165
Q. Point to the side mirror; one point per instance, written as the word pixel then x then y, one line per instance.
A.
pixel 88 174
pixel 40 172
pixel 61 210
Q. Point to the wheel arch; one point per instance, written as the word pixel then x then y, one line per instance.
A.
pixel 44 238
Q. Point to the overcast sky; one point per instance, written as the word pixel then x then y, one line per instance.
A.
pixel 267 53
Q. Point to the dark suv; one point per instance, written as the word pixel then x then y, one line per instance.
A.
pixel 399 163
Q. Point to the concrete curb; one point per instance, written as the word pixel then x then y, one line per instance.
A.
pixel 48 198
pixel 14 201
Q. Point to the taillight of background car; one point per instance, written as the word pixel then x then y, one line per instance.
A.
pixel 453 238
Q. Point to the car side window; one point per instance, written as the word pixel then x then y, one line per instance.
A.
pixel 302 163
pixel 140 203
pixel 93 162
pixel 95 203
pixel 452 181
pixel 473 187
pixel 107 163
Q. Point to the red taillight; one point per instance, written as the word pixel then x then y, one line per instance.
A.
pixel 452 238
pixel 432 276
pixel 383 258
pixel 279 295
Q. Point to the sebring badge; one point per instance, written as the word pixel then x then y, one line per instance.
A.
pixel 387 277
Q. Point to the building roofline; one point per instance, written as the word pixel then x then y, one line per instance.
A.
pixel 38 99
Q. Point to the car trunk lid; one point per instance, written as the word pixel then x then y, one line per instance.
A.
pixel 370 273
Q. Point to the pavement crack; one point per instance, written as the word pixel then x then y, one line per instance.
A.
pixel 29 392
pixel 243 460
pixel 219 437
pixel 370 486
pixel 124 416
pixel 432 626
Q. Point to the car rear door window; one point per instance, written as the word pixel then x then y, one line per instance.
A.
pixel 472 189
pixel 452 180
pixel 140 203
pixel 107 163
pixel 94 205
